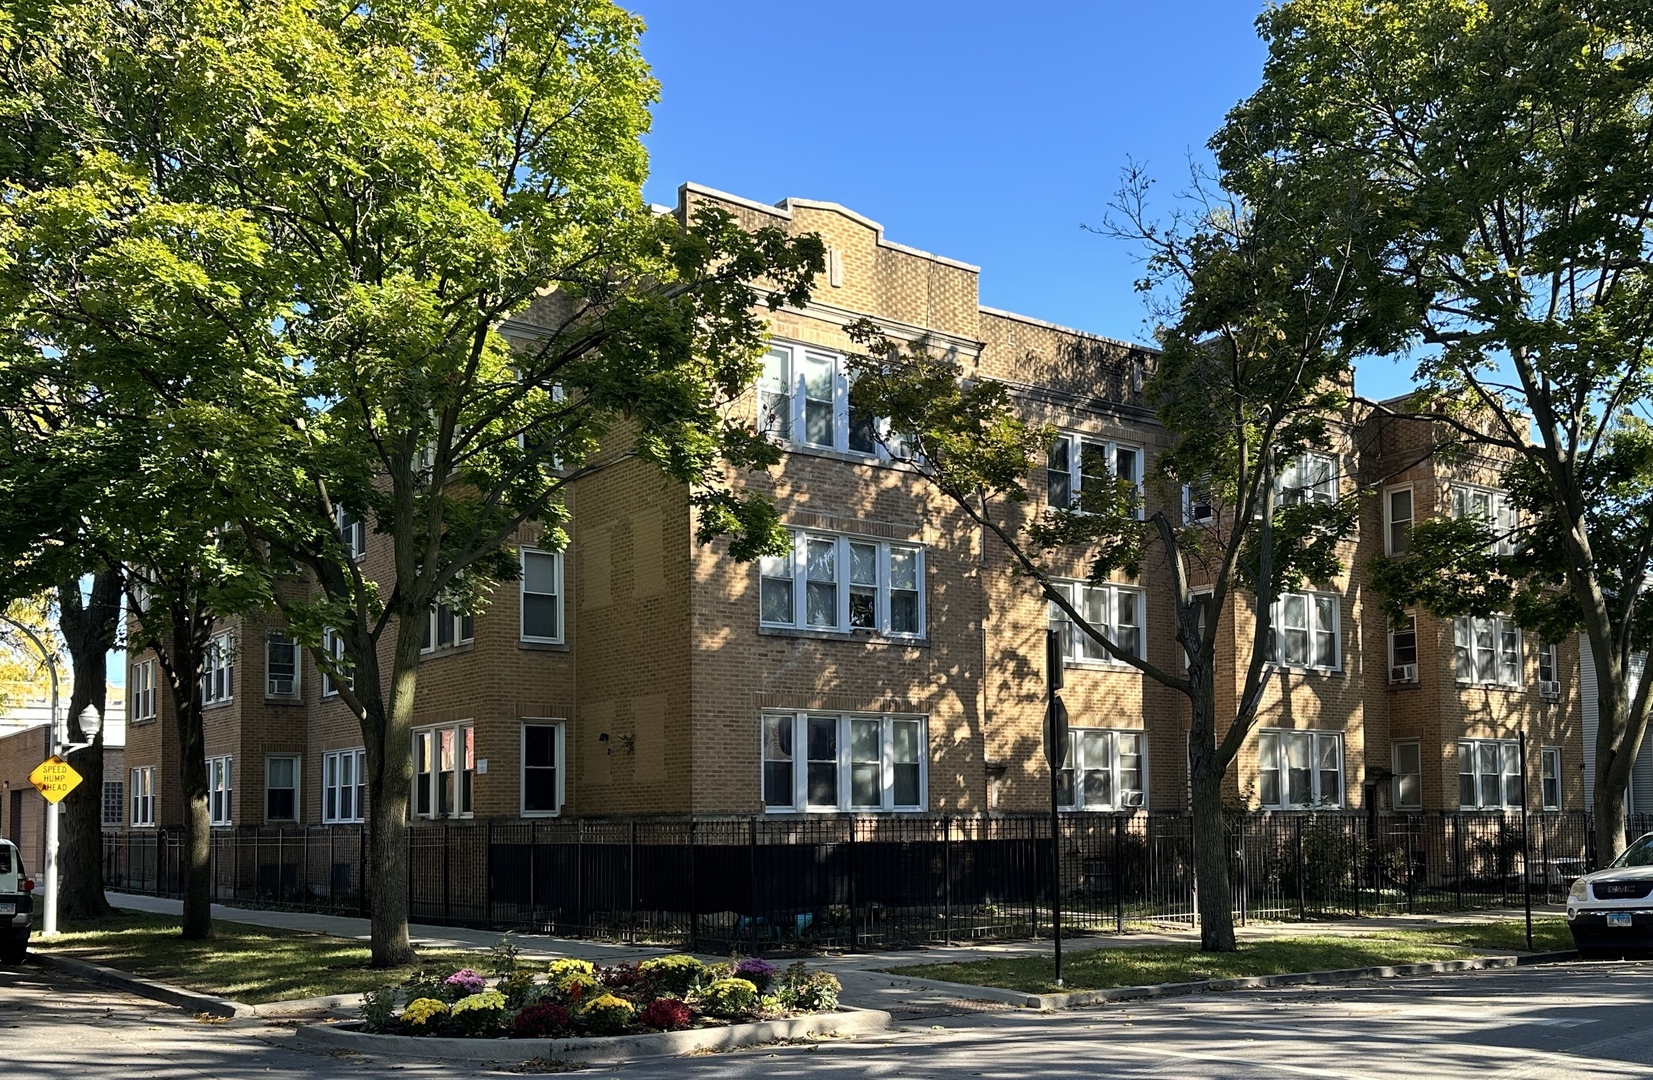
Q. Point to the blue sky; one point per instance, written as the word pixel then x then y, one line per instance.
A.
pixel 987 132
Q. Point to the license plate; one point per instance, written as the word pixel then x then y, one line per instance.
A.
pixel 1618 918
pixel 8 909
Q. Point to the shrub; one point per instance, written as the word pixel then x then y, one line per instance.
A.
pixel 666 1014
pixel 516 986
pixel 578 986
pixel 430 984
pixel 560 969
pixel 606 1014
pixel 378 1009
pixel 620 976
pixel 760 973
pixel 672 976
pixel 809 991
pixel 729 998
pixel 466 982
pixel 479 1013
pixel 424 1014
pixel 542 1021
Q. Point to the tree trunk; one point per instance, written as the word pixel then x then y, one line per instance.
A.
pixel 189 637
pixel 1618 740
pixel 89 631
pixel 1216 894
pixel 389 742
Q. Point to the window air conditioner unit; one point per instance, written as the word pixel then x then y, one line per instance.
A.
pixel 1131 798
pixel 1549 691
pixel 1403 673
pixel 281 686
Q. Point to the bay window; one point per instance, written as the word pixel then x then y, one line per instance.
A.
pixel 218 669
pixel 1489 774
pixel 1080 463
pixel 1114 610
pixel 1101 770
pixel 844 584
pixel 1300 770
pixel 1306 631
pixel 1493 509
pixel 344 786
pixel 843 761
pixel 804 399
pixel 1487 651
pixel 1307 478
pixel 444 763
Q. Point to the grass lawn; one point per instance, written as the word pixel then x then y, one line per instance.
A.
pixel 250 964
pixel 1100 969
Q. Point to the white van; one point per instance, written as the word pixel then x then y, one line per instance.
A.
pixel 16 905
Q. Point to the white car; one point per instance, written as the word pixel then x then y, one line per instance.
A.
pixel 16 905
pixel 1611 910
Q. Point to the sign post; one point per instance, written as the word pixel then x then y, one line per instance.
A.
pixel 1056 745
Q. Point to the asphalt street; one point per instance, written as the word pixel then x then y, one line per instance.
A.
pixel 1583 1020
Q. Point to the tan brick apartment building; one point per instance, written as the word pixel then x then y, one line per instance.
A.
pixel 891 663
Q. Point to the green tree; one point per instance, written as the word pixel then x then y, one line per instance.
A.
pixel 1248 377
pixel 1501 155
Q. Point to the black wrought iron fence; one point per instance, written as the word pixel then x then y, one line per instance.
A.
pixel 760 883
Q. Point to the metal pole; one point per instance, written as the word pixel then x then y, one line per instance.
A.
pixel 1053 681
pixel 1526 842
pixel 49 918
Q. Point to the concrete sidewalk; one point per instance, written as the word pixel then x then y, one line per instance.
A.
pixel 866 983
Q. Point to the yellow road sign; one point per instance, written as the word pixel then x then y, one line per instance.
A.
pixel 54 778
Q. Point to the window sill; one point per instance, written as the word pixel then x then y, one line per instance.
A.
pixel 823 811
pixel 1100 665
pixel 1339 808
pixel 1504 687
pixel 211 706
pixel 540 814
pixel 446 650
pixel 1119 811
pixel 543 646
pixel 1411 684
pixel 141 721
pixel 853 457
pixel 345 821
pixel 1293 669
pixel 866 636
pixel 283 699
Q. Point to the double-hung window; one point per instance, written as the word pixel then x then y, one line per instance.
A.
pixel 141 692
pixel 1406 788
pixel 542 773
pixel 143 796
pixel 446 626
pixel 844 584
pixel 332 645
pixel 1550 776
pixel 1397 520
pixel 1493 509
pixel 280 666
pixel 1403 650
pixel 218 669
pixel 541 588
pixel 1102 770
pixel 1549 677
pixel 1308 478
pixel 444 763
pixel 1300 770
pixel 1306 631
pixel 1487 651
pixel 218 789
pixel 843 761
pixel 1489 774
pixel 1114 610
pixel 1080 463
pixel 344 786
pixel 803 399
pixel 281 787
pixel 1198 503
pixel 353 532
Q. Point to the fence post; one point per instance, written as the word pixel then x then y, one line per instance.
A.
pixel 752 878
pixel 1412 871
pixel 447 872
pixel 854 901
pixel 1297 833
pixel 1245 875
pixel 332 871
pixel 631 887
pixel 947 876
pixel 579 876
pixel 1354 850
pixel 694 897
pixel 361 870
pixel 533 874
pixel 1119 874
pixel 488 874
pixel 1033 879
pixel 1458 858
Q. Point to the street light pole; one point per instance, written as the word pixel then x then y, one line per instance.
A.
pixel 49 920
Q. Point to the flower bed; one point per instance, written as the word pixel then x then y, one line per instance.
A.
pixel 577 998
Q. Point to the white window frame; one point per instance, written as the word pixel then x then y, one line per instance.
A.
pixel 523 594
pixel 298 765
pixel 218 669
pixel 1097 751
pixel 1284 740
pixel 142 794
pixel 794 567
pixel 842 762
pixel 558 767
pixel 295 688
pixel 1199 504
pixel 1075 443
pixel 332 643
pixel 336 766
pixel 1323 491
pixel 352 533
pixel 1549 772
pixel 1470 657
pixel 429 752
pixel 1313 626
pixel 1549 683
pixel 1398 799
pixel 783 403
pixel 1079 649
pixel 1403 671
pixel 141 690
pixel 1391 521
pixel 220 790
pixel 1498 514
pixel 444 616
pixel 1506 760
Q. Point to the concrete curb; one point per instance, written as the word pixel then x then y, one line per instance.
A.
pixel 155 991
pixel 1078 999
pixel 846 1021
pixel 298 1006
